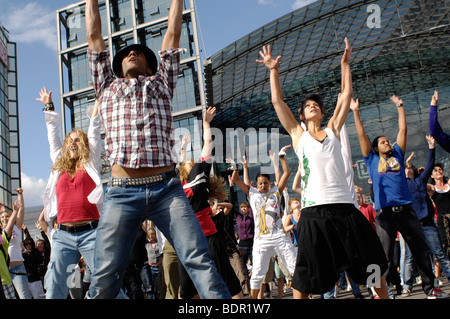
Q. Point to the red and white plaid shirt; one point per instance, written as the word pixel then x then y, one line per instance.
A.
pixel 137 113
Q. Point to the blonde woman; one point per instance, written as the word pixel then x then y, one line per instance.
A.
pixel 74 194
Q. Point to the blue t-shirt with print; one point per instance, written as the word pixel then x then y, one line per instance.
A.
pixel 388 178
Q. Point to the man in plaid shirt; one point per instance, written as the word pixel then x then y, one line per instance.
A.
pixel 135 108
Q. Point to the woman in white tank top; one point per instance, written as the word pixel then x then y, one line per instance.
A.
pixel 330 225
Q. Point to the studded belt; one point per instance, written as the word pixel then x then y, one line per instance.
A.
pixel 136 181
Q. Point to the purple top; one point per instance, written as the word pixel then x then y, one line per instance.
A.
pixel 436 131
pixel 246 226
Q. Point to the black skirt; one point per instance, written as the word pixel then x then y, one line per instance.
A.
pixel 332 239
pixel 218 253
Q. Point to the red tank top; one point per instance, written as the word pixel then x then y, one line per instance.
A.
pixel 72 193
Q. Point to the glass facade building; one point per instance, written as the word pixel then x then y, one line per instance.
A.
pixel 399 47
pixel 9 121
pixel 125 22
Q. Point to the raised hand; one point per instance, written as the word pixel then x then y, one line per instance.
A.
pixel 282 152
pixel 210 113
pixel 430 141
pixel 45 97
pixel 267 59
pixel 185 140
pixel 244 161
pixel 435 98
pixel 233 164
pixel 396 100
pixel 347 52
pixel 354 105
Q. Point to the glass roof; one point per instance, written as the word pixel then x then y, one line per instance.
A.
pixel 409 55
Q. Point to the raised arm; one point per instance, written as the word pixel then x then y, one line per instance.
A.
pixel 402 131
pixel 208 116
pixel 18 209
pixel 245 170
pixel 343 104
pixel 408 160
pixel 283 111
pixel 297 179
pixel 236 180
pixel 184 143
pixel 94 135
pixel 41 221
pixel 173 33
pixel 286 170
pixel 52 121
pixel 276 166
pixel 226 207
pixel 425 175
pixel 364 142
pixel 436 130
pixel 19 205
pixel 94 27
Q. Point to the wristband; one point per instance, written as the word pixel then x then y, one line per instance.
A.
pixel 49 107
pixel 399 104
pixel 282 152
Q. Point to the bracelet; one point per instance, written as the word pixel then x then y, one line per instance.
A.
pixel 399 104
pixel 49 107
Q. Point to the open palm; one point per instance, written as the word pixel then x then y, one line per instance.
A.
pixel 267 59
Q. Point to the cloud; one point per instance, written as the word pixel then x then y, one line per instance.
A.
pixel 33 23
pixel 265 2
pixel 33 190
pixel 301 3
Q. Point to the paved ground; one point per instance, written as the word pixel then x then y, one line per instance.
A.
pixel 417 292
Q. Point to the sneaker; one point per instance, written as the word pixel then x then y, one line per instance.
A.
pixel 418 280
pixel 406 292
pixel 437 282
pixel 437 293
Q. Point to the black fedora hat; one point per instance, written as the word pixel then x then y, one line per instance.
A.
pixel 149 55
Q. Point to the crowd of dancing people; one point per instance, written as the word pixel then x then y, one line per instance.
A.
pixel 167 227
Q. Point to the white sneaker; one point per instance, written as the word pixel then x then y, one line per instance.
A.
pixel 437 293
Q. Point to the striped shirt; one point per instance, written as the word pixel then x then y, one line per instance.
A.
pixel 136 113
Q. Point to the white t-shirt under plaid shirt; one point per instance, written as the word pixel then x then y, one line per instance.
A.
pixel 136 113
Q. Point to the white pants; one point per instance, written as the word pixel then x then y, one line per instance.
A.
pixel 266 247
pixel 37 290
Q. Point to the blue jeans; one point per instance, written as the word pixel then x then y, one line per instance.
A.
pixel 247 253
pixel 153 272
pixel 166 204
pixel 67 249
pixel 409 269
pixel 19 278
pixel 434 242
pixel 343 282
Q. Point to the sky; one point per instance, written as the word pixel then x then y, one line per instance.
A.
pixel 32 25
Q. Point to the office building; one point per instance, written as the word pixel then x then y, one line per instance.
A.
pixel 9 121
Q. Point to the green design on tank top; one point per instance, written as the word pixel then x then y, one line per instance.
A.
pixel 304 178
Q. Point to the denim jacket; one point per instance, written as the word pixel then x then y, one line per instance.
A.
pixel 93 167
